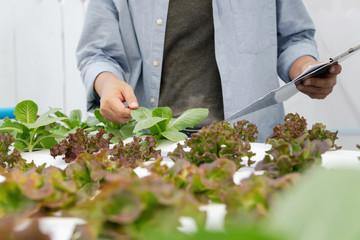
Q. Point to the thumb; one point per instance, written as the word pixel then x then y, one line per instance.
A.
pixel 130 99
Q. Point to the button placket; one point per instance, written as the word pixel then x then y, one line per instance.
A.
pixel 157 49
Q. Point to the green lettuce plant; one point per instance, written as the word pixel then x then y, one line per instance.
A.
pixel 73 122
pixel 160 123
pixel 119 130
pixel 31 131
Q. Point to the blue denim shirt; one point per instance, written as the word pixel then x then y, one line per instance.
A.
pixel 255 42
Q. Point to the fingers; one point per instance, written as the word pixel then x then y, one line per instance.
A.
pixel 315 92
pixel 317 88
pixel 327 82
pixel 114 110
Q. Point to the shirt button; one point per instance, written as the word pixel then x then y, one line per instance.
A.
pixel 159 22
pixel 152 100
pixel 155 63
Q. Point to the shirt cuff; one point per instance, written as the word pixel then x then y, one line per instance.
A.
pixel 291 54
pixel 89 76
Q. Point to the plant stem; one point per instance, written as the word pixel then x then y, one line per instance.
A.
pixel 158 128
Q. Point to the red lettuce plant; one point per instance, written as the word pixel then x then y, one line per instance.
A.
pixel 293 127
pixel 8 157
pixel 81 142
pixel 294 148
pixel 135 152
pixel 252 199
pixel 220 140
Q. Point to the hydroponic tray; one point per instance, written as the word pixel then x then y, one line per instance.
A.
pixel 62 228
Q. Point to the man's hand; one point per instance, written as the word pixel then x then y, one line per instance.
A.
pixel 113 92
pixel 317 88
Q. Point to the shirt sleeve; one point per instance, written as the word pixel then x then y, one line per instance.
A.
pixel 100 48
pixel 295 35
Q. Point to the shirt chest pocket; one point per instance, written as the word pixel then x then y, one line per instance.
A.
pixel 255 24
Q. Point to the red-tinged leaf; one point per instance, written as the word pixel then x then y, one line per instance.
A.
pixel 97 170
pixel 122 207
pixel 213 177
pixel 35 191
pixel 165 193
pixel 59 180
pixel 13 201
pixel 78 172
pixel 59 200
pixel 121 175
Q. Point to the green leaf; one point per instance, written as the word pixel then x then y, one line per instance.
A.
pixel 100 117
pixel 92 121
pixel 122 131
pixel 43 122
pixel 158 128
pixel 189 119
pixel 20 145
pixel 174 135
pixel 141 113
pixel 66 121
pixel 49 113
pixel 61 131
pixel 26 111
pixel 43 140
pixel 60 114
pixel 75 115
pixel 125 132
pixel 9 126
pixel 46 142
pixel 147 123
pixel 163 112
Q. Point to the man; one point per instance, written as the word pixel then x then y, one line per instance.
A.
pixel 219 54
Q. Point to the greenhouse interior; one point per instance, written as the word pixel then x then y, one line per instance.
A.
pixel 179 119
